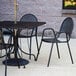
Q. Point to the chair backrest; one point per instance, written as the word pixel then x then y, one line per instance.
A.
pixel 29 18
pixel 67 26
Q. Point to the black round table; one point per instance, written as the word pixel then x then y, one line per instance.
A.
pixel 12 25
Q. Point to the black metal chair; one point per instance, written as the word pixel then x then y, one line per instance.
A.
pixel 5 46
pixel 66 28
pixel 28 32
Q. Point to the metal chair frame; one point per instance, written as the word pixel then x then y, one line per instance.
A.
pixel 66 28
pixel 29 18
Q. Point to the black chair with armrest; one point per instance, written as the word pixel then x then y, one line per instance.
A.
pixel 5 46
pixel 66 28
pixel 28 32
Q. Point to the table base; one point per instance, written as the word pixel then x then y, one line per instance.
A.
pixel 15 62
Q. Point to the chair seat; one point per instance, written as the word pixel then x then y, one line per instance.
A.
pixel 25 33
pixel 5 46
pixel 7 32
pixel 52 40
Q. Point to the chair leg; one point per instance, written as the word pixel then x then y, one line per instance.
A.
pixel 50 55
pixel 58 50
pixel 9 41
pixel 6 64
pixel 37 42
pixel 37 45
pixel 70 52
pixel 9 52
pixel 39 50
pixel 30 48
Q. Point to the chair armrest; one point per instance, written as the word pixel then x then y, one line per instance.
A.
pixel 67 37
pixel 48 29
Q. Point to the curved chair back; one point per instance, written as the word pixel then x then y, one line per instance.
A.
pixel 67 26
pixel 29 18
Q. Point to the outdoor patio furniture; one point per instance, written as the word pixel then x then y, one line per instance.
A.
pixel 17 60
pixel 29 32
pixel 66 29
pixel 6 47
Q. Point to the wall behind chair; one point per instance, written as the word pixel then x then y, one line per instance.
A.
pixel 49 11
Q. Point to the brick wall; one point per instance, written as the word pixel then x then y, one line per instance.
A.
pixel 45 10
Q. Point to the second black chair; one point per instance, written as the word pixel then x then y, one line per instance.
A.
pixel 28 32
pixel 66 28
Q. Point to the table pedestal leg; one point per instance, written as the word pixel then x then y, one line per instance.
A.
pixel 16 61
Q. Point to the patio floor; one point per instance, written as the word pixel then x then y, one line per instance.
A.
pixel 58 67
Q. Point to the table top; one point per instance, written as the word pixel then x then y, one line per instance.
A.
pixel 19 24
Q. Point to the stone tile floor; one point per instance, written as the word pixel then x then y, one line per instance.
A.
pixel 58 67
